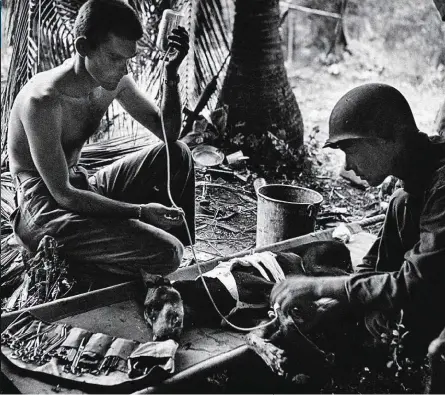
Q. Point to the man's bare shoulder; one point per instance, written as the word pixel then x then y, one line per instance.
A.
pixel 41 89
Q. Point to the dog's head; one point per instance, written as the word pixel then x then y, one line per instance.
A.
pixel 163 308
pixel 317 314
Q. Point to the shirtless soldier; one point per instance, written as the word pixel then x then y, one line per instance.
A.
pixel 120 219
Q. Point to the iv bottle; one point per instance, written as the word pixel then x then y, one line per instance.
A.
pixel 170 20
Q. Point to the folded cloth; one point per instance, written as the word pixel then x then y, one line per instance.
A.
pixel 69 347
pixel 127 361
pixel 121 348
pixel 266 260
pixel 95 349
pixel 152 355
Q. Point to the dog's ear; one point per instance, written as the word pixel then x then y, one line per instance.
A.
pixel 149 296
pixel 149 315
pixel 147 278
pixel 153 280
pixel 150 311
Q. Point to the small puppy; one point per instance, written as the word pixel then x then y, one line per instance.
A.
pixel 165 303
pixel 163 308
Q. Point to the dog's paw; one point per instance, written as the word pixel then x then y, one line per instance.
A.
pixel 273 356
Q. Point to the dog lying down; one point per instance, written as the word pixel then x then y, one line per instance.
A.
pixel 241 288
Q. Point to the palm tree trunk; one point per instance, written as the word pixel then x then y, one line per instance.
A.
pixel 263 115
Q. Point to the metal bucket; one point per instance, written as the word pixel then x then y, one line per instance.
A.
pixel 285 211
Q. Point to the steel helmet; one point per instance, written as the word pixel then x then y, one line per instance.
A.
pixel 370 110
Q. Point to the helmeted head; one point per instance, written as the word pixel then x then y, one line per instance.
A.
pixel 106 32
pixel 369 123
pixel 370 111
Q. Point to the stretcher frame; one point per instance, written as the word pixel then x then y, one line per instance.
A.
pixel 79 305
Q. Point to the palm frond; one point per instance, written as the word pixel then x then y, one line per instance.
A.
pixel 7 203
pixel 212 38
pixel 40 33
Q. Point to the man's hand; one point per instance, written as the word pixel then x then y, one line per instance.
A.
pixel 179 41
pixel 161 216
pixel 298 290
pixel 294 290
pixel 377 324
pixel 381 323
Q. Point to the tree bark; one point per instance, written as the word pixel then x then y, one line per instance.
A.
pixel 264 119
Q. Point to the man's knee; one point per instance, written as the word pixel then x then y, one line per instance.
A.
pixel 180 151
pixel 179 154
pixel 399 206
pixel 405 208
pixel 403 218
pixel 171 257
pixel 179 146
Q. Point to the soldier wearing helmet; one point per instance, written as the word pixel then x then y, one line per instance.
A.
pixel 405 268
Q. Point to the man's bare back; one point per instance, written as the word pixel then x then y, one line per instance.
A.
pixel 80 115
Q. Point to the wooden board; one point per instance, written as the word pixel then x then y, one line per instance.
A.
pixel 114 311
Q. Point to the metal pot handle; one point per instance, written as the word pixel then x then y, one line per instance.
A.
pixel 258 183
pixel 310 210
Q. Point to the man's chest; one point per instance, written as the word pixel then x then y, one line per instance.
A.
pixel 81 119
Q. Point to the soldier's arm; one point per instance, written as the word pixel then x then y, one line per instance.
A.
pixel 147 113
pixel 43 122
